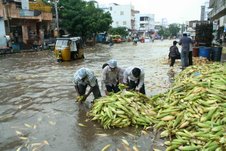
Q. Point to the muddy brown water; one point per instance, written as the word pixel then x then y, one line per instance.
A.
pixel 37 100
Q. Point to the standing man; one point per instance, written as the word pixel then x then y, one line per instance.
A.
pixel 112 75
pixel 185 43
pixel 134 78
pixel 190 61
pixel 82 78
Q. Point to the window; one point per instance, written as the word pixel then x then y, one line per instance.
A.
pixel 121 13
pixel 141 18
pixel 18 5
pixel 124 22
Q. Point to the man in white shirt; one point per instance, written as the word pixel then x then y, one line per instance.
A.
pixel 82 78
pixel 134 78
pixel 112 75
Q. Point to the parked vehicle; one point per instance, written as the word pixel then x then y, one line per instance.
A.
pixel 67 49
pixel 116 38
pixel 101 37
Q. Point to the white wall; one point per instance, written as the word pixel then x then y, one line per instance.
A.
pixel 2 33
pixel 121 15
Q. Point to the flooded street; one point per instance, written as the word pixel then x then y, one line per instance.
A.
pixel 37 102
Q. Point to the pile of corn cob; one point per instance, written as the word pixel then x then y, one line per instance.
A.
pixel 193 112
pixel 123 109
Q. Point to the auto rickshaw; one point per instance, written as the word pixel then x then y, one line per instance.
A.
pixel 67 49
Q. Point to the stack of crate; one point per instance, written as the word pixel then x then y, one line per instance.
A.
pixel 204 35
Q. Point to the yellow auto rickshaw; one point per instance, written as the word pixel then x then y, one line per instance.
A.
pixel 67 49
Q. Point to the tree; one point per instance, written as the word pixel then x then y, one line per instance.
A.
pixel 171 31
pixel 174 29
pixel 164 32
pixel 119 31
pixel 81 18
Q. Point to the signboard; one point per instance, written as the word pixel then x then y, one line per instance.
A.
pixel 40 6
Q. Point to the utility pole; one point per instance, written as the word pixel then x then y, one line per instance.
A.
pixel 57 17
pixel 55 3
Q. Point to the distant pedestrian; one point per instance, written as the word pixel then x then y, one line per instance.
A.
pixel 133 77
pixel 82 78
pixel 185 43
pixel 135 40
pixel 174 53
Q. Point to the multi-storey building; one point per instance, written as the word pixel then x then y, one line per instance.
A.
pixel 145 22
pixel 25 21
pixel 218 16
pixel 218 9
pixel 122 15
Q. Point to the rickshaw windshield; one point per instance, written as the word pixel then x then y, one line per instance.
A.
pixel 61 43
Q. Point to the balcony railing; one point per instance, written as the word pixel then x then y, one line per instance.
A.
pixel 217 12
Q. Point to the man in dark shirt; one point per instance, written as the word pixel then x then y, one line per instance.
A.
pixel 174 53
pixel 185 42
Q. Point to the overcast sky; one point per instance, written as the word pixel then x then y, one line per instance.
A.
pixel 176 11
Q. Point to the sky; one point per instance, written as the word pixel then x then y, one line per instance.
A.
pixel 176 11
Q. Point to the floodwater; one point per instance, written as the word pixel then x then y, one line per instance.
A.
pixel 38 111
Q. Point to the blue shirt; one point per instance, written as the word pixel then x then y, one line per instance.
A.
pixel 185 43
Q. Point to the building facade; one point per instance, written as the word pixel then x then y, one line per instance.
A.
pixel 218 16
pixel 145 22
pixel 25 21
pixel 122 15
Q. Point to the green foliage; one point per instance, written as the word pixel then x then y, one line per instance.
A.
pixel 174 29
pixel 118 31
pixel 81 18
pixel 171 31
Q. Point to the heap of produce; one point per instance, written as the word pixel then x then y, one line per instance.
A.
pixel 123 109
pixel 200 60
pixel 192 114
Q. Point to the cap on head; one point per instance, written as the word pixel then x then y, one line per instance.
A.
pixel 82 73
pixel 136 72
pixel 175 42
pixel 112 63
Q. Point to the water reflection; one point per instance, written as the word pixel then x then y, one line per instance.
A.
pixel 87 129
